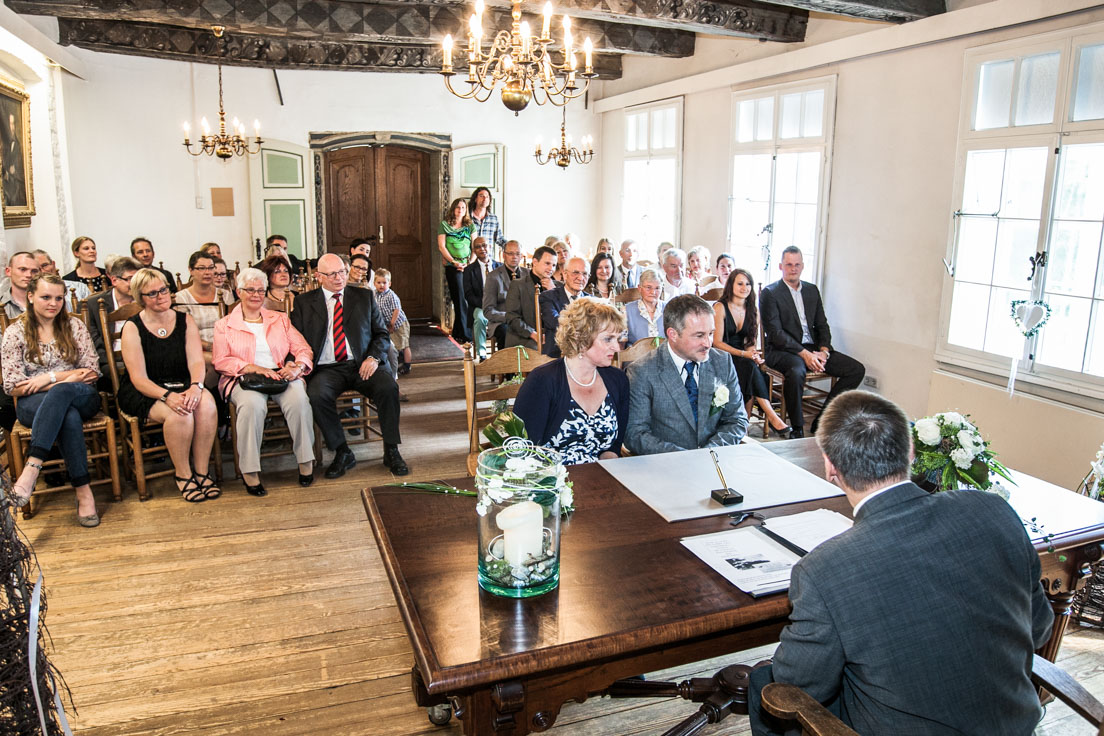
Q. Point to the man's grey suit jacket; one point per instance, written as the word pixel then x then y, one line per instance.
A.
pixel 521 313
pixel 922 618
pixel 494 296
pixel 660 419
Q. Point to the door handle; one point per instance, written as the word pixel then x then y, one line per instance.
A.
pixel 381 234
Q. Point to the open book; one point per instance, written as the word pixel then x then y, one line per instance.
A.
pixel 758 559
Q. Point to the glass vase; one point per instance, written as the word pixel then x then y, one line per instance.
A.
pixel 519 519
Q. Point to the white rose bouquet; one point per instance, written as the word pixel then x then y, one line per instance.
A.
pixel 950 451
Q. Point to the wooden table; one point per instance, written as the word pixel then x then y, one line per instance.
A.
pixel 631 599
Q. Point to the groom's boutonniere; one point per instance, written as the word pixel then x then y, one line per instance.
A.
pixel 720 398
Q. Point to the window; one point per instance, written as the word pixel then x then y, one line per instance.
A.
pixel 781 140
pixel 651 193
pixel 1029 211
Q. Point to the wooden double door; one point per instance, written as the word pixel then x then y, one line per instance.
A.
pixel 385 192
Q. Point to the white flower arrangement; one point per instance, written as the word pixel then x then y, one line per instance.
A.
pixel 949 451
pixel 720 398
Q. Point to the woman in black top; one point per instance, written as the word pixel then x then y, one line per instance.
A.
pixel 736 323
pixel 164 383
pixel 87 272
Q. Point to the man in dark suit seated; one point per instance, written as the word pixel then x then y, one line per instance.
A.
pixel 120 272
pixel 685 394
pixel 798 341
pixel 923 617
pixel 349 338
pixel 554 301
pixel 497 286
pixel 475 277
pixel 521 302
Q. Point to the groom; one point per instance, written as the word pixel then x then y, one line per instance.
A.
pixel 685 394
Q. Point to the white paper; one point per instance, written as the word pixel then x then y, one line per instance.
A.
pixel 810 528
pixel 677 484
pixel 753 562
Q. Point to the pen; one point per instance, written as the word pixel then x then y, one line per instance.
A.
pixel 717 465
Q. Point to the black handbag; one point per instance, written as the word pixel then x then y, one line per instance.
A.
pixel 262 384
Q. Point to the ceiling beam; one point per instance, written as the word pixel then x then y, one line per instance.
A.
pixel 193 44
pixel 342 21
pixel 891 11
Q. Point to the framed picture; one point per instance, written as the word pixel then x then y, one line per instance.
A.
pixel 15 155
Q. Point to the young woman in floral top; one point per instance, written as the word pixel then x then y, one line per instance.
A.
pixel 51 366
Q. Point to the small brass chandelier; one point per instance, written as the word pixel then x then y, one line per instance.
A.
pixel 223 145
pixel 566 152
pixel 521 62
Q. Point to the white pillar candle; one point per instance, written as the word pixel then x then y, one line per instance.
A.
pixel 522 532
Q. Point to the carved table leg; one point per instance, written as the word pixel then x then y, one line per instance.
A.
pixel 1060 604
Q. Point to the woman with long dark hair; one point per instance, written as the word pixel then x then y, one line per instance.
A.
pixel 736 323
pixel 51 366
pixel 454 240
pixel 601 282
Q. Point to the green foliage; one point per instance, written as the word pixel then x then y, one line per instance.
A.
pixel 504 427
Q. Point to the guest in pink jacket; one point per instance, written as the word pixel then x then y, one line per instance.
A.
pixel 252 340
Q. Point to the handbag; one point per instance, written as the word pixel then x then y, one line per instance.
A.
pixel 262 384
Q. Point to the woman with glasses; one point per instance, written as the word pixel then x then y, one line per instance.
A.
pixel 255 340
pixel 645 315
pixel 164 383
pixel 51 367
pixel 201 299
pixel 87 272
pixel 278 273
pixel 454 240
pixel 360 271
pixel 222 282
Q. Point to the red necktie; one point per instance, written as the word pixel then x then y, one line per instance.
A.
pixel 340 352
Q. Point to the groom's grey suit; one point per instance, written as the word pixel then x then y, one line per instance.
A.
pixel 660 419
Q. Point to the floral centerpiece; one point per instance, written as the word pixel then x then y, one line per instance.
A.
pixel 950 453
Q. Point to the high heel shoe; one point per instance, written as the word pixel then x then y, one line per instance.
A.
pixel 257 490
pixel 784 433
pixel 20 499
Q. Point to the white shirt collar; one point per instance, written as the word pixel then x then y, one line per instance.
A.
pixel 797 290
pixel 680 363
pixel 330 294
pixel 859 505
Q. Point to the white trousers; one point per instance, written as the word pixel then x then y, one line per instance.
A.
pixel 252 408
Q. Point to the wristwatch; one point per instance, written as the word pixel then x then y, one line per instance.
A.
pixel 165 395
pixel 53 377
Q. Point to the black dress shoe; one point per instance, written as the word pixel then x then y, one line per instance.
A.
pixel 343 460
pixel 393 460
pixel 306 480
pixel 796 433
pixel 257 490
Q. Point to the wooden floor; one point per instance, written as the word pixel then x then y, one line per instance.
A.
pixel 274 616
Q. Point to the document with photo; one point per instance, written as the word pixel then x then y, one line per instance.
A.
pixel 753 562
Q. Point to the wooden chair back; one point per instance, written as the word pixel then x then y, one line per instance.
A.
pixel 537 316
pixel 76 304
pixel 115 365
pixel 481 388
pixel 713 295
pixel 637 350
pixel 180 284
pixel 628 295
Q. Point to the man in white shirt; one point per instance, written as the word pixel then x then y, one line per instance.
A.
pixel 555 300
pixel 798 340
pixel 628 273
pixel 675 281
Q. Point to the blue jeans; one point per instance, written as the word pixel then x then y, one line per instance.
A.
pixel 58 415
pixel 479 327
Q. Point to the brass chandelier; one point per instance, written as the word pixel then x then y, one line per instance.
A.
pixel 566 152
pixel 223 144
pixel 521 62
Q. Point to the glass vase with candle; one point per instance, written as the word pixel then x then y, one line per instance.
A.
pixel 519 487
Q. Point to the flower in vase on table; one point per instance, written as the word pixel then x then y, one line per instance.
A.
pixel 950 452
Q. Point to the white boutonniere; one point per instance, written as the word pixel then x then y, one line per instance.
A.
pixel 720 399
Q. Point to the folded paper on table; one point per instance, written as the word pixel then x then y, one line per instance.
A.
pixel 677 485
pixel 757 563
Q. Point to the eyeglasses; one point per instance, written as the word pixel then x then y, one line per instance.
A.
pixel 252 292
pixel 203 268
pixel 154 294
pixel 332 274
pixel 125 278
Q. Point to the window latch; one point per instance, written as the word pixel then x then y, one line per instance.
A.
pixel 1037 261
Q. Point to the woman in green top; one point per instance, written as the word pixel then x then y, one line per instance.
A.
pixel 454 239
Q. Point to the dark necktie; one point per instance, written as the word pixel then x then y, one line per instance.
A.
pixel 340 353
pixel 692 388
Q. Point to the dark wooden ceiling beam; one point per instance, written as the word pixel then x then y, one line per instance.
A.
pixel 342 21
pixel 193 44
pixel 892 11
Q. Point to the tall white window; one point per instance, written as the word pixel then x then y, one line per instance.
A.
pixel 1029 211
pixel 651 193
pixel 781 140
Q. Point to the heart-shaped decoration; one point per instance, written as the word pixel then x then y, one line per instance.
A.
pixel 1030 315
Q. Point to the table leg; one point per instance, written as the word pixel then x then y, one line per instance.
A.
pixel 1063 572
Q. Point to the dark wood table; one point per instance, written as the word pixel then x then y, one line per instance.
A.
pixel 631 598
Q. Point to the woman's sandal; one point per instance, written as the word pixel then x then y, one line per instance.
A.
pixel 192 492
pixel 18 498
pixel 207 484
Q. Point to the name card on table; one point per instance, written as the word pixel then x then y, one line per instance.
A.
pixel 677 484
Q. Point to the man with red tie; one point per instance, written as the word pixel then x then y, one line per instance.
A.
pixel 349 338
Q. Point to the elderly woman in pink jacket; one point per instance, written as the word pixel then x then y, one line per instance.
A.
pixel 251 349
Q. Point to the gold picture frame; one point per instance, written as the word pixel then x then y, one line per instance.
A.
pixel 16 184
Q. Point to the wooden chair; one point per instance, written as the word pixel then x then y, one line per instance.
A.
pixel 813 397
pixel 141 442
pixel 480 388
pixel 713 295
pixel 791 703
pixel 628 295
pixel 637 350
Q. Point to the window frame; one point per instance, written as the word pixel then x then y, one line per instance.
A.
pixel 650 153
pixel 775 145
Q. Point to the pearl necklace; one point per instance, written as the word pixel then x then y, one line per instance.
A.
pixel 571 375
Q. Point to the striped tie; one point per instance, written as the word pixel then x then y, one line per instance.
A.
pixel 340 352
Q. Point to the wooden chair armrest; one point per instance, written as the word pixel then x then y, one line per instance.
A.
pixel 1055 679
pixel 791 703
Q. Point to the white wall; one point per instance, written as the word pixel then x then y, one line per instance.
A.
pixel 131 175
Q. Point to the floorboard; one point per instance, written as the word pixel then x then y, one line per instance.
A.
pixel 273 615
